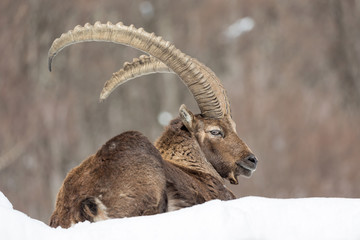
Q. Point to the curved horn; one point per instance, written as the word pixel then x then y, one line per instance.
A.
pixel 201 81
pixel 143 66
pixel 138 67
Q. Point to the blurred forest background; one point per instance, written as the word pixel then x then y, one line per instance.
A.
pixel 291 68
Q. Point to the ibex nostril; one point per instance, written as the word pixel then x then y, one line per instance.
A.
pixel 252 159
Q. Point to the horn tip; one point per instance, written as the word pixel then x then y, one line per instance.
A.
pixel 49 63
pixel 103 95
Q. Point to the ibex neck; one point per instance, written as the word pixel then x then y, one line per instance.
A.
pixel 179 147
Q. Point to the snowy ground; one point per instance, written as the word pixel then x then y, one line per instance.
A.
pixel 245 218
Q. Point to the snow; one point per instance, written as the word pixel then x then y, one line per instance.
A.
pixel 244 218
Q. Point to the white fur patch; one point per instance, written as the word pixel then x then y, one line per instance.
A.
pixel 101 214
pixel 175 204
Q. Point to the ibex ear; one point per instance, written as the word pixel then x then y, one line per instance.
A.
pixel 187 117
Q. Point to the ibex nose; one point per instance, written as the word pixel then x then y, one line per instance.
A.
pixel 251 158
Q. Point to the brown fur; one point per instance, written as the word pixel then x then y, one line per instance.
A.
pixel 128 176
pixel 195 168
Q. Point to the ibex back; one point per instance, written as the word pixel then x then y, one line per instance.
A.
pixel 197 151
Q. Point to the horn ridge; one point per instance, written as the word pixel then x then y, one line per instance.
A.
pixel 193 73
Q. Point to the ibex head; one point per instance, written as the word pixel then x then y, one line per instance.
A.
pixel 222 147
pixel 214 128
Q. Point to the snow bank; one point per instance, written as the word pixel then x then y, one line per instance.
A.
pixel 245 218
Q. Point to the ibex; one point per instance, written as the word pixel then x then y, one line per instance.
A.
pixel 128 176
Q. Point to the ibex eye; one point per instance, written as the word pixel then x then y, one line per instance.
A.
pixel 216 132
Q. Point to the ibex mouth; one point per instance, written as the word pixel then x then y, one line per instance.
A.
pixel 247 166
pixel 246 171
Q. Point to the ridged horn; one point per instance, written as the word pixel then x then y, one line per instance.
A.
pixel 138 67
pixel 143 66
pixel 201 81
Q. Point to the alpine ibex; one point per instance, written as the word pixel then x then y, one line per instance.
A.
pixel 128 176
